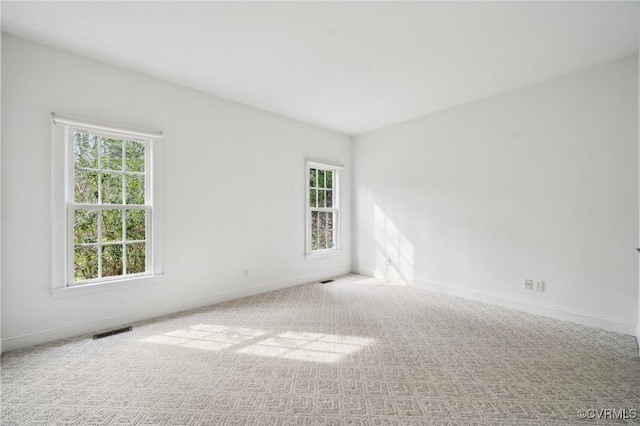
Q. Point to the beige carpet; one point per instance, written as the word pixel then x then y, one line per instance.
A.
pixel 351 352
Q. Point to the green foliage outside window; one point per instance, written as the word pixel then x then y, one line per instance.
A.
pixel 321 193
pixel 108 242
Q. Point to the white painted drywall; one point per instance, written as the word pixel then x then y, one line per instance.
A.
pixel 233 191
pixel 540 182
pixel 0 196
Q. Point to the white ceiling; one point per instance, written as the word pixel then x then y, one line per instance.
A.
pixel 347 66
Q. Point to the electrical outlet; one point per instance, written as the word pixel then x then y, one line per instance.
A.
pixel 528 284
pixel 538 285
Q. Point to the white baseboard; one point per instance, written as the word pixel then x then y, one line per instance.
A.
pixel 547 310
pixel 43 336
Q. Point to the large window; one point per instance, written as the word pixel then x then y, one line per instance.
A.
pixel 108 203
pixel 323 208
pixel 109 209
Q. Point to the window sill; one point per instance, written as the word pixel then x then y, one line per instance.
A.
pixel 321 254
pixel 81 290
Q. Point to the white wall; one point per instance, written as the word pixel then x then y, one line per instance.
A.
pixel 0 198
pixel 233 193
pixel 540 182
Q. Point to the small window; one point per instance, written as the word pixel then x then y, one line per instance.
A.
pixel 323 213
pixel 109 204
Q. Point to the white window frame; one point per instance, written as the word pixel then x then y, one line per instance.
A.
pixel 63 207
pixel 336 209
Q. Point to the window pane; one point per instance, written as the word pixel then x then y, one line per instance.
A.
pixel 314 221
pixel 329 198
pixel 85 263
pixel 111 188
pixel 135 156
pixel 135 189
pixel 111 225
pixel 136 225
pixel 112 260
pixel 85 150
pixel 111 153
pixel 321 194
pixel 314 240
pixel 329 220
pixel 328 176
pixel 329 237
pixel 320 179
pixel 321 240
pixel 85 187
pixel 135 258
pixel 321 220
pixel 313 197
pixel 85 226
pixel 312 177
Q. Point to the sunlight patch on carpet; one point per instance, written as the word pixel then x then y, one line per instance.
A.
pixel 313 347
pixel 303 346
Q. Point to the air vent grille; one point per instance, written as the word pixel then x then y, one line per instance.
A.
pixel 111 333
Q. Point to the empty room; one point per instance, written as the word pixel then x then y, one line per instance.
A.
pixel 319 213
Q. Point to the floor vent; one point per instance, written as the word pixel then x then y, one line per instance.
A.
pixel 111 333
pixel 326 281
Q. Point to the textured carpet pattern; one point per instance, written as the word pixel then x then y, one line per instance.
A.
pixel 351 352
